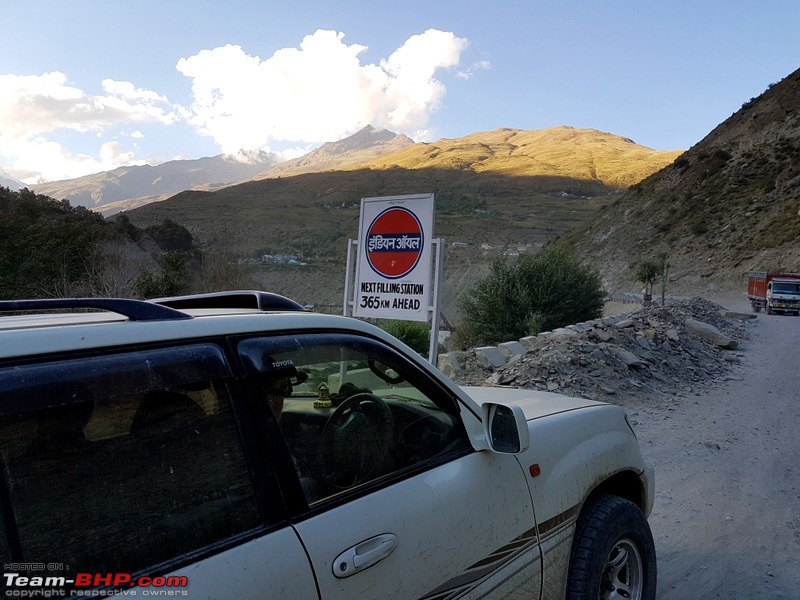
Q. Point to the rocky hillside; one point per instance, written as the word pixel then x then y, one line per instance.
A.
pixel 728 205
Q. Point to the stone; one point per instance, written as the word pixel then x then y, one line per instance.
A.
pixel 449 365
pixel 531 342
pixel 602 335
pixel 711 334
pixel 490 356
pixel 629 358
pixel 511 348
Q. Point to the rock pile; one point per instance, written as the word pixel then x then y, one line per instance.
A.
pixel 652 352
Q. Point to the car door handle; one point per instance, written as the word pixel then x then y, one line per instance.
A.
pixel 363 555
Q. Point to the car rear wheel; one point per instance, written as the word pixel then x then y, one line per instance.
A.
pixel 613 554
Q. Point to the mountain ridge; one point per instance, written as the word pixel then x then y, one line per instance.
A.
pixel 555 151
pixel 358 148
pixel 504 151
pixel 163 180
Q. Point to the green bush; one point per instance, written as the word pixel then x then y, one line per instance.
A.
pixel 45 244
pixel 535 293
pixel 414 334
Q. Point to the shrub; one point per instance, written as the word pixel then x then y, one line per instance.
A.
pixel 414 334
pixel 536 293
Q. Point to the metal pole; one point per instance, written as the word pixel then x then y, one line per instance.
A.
pixel 348 276
pixel 433 353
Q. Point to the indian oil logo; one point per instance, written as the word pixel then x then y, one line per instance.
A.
pixel 394 243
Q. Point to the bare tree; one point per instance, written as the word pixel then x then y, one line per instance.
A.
pixel 220 271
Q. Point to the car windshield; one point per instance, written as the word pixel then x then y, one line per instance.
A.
pixel 780 287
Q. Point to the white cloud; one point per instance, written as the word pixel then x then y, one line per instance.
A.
pixel 292 101
pixel 33 107
pixel 112 154
pixel 470 71
pixel 318 92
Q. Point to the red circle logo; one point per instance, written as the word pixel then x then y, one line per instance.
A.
pixel 394 243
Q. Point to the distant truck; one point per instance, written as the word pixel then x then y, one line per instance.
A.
pixel 774 292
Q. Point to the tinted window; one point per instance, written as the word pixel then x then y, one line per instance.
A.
pixel 121 462
pixel 351 410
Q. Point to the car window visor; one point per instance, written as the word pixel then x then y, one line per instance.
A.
pixel 29 387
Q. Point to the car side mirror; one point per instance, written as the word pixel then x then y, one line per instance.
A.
pixel 506 428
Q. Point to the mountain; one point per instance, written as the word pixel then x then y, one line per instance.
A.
pixel 358 148
pixel 156 182
pixel 558 152
pixel 727 206
pixel 500 191
pixel 9 182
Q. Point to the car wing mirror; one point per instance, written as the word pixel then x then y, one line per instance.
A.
pixel 506 428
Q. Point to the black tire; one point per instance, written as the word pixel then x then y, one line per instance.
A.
pixel 613 554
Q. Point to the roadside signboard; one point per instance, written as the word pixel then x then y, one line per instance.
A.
pixel 393 264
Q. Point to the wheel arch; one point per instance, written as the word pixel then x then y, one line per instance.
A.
pixel 625 484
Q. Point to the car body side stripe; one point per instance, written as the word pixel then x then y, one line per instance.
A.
pixel 460 585
pixel 547 527
pixel 478 572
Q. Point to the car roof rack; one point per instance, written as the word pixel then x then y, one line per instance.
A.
pixel 135 310
pixel 264 301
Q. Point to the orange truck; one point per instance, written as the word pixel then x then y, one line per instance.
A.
pixel 774 292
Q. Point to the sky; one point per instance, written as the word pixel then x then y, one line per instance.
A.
pixel 92 85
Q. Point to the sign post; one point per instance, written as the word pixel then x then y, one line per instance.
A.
pixel 393 263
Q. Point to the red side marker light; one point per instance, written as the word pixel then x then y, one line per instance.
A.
pixel 535 470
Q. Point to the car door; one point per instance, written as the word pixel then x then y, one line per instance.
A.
pixel 422 516
pixel 129 462
pixel 460 527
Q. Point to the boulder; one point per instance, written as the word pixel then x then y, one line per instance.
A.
pixel 711 334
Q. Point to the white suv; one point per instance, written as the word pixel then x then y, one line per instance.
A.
pixel 236 446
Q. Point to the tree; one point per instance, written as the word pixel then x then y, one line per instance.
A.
pixel 647 273
pixel 650 271
pixel 170 236
pixel 536 293
pixel 44 243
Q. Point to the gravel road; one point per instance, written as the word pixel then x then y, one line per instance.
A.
pixel 727 513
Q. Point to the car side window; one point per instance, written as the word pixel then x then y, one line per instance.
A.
pixel 352 410
pixel 136 450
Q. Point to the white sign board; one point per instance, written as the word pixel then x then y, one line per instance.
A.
pixel 393 266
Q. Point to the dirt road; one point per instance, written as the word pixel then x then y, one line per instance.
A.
pixel 727 511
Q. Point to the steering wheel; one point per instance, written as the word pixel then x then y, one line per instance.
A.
pixel 355 441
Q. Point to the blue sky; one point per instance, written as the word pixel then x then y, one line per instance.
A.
pixel 88 86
